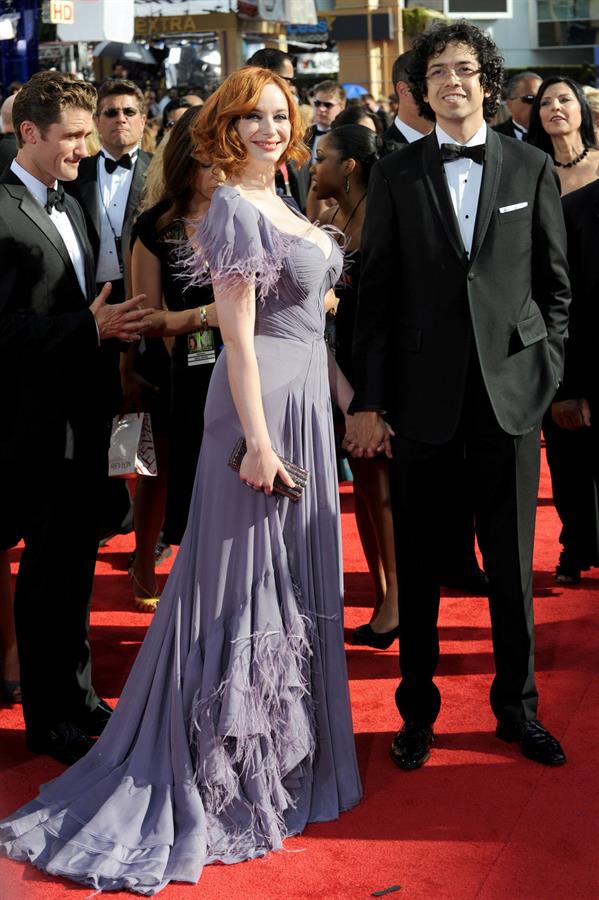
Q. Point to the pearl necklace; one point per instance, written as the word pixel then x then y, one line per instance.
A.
pixel 573 162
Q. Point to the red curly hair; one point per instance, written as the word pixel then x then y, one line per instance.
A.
pixel 215 136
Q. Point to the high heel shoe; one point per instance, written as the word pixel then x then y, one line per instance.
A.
pixel 142 598
pixel 380 640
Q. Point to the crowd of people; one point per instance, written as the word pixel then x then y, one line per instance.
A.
pixel 195 281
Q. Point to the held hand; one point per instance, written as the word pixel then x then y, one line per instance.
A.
pixel 571 414
pixel 259 469
pixel 123 321
pixel 368 435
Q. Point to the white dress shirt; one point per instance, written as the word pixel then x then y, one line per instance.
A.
pixel 520 131
pixel 59 219
pixel 408 132
pixel 464 179
pixel 113 193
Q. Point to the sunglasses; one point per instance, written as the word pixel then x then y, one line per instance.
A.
pixel 113 111
pixel 328 104
pixel 529 99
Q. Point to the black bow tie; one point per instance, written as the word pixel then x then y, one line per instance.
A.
pixel 111 164
pixel 55 199
pixel 452 152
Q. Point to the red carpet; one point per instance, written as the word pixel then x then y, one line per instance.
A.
pixel 478 821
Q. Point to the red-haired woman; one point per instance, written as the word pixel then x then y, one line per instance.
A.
pixel 234 728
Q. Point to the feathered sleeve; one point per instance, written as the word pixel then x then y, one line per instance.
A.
pixel 233 242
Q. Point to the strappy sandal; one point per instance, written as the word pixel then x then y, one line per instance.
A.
pixel 143 599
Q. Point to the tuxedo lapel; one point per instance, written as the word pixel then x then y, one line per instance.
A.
pixel 440 197
pixel 135 191
pixel 31 208
pixel 488 191
pixel 87 185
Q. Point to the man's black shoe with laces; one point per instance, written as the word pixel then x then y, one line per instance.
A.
pixel 411 746
pixel 535 742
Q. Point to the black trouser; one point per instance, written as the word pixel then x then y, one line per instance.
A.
pixel 58 504
pixel 573 467
pixel 504 474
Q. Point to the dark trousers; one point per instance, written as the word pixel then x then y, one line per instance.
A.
pixel 57 511
pixel 503 472
pixel 571 456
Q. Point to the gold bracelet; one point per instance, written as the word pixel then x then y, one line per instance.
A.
pixel 203 319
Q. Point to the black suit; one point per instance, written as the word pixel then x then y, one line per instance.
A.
pixel 49 377
pixel 8 149
pixel 393 135
pixel 508 129
pixel 465 352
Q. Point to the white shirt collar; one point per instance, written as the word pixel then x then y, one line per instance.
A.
pixel 480 137
pixel 410 134
pixel 520 127
pixel 33 184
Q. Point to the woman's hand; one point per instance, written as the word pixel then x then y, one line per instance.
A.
pixel 259 469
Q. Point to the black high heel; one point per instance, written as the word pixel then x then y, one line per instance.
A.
pixel 380 640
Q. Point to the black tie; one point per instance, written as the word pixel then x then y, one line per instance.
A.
pixel 111 164
pixel 452 152
pixel 55 199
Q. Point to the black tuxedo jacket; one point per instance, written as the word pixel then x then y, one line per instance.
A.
pixel 581 373
pixel 507 128
pixel 48 338
pixel 85 191
pixel 394 136
pixel 424 305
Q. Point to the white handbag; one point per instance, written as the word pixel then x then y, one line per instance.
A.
pixel 131 449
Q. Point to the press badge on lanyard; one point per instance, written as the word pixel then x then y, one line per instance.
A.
pixel 200 348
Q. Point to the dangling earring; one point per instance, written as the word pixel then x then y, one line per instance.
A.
pixel 347 185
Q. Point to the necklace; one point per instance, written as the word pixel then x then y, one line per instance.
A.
pixel 352 213
pixel 573 162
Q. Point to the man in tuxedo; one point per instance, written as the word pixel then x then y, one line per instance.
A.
pixel 328 101
pixel 458 565
pixel 109 188
pixel 54 437
pixel 409 124
pixel 459 339
pixel 110 184
pixel 521 91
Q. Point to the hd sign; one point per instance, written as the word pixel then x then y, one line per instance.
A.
pixel 59 12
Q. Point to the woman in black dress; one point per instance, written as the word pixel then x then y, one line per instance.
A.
pixel 187 313
pixel 344 159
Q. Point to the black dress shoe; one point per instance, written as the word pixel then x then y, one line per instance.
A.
pixel 535 742
pixel 411 746
pixel 64 742
pixel 94 721
pixel 475 584
pixel 380 640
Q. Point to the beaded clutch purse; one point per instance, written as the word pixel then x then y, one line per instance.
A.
pixel 299 475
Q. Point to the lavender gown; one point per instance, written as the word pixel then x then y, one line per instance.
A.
pixel 234 728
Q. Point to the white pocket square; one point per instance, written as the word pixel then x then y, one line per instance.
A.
pixel 504 209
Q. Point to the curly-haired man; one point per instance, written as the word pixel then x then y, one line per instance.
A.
pixel 459 338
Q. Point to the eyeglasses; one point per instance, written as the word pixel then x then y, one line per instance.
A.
pixel 168 124
pixel 529 99
pixel 328 104
pixel 288 79
pixel 462 72
pixel 113 111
